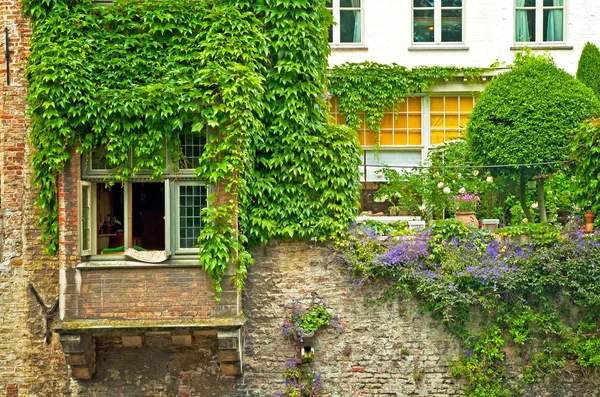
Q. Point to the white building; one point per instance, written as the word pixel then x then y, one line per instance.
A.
pixel 463 33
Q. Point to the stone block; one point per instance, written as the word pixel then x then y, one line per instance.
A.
pixel 182 340
pixel 131 340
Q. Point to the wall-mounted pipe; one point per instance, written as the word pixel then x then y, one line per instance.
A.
pixel 7 55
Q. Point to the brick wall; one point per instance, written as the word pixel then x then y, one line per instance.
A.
pixel 145 293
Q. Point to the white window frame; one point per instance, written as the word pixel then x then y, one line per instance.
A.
pixel 437 24
pixel 94 177
pixel 335 10
pixel 539 23
pixel 87 210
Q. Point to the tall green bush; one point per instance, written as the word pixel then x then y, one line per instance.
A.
pixel 525 116
pixel 588 69
pixel 585 151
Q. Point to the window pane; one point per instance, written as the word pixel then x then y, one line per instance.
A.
pixel 553 25
pixel 451 104
pixel 349 3
pixel 385 137
pixel 192 147
pixel 190 222
pixel 423 3
pixel 451 25
pixel 526 3
pixel 387 121
pixel 551 3
pixel 400 138
pixel 328 4
pixel 148 215
pixel 414 137
pixel 423 26
pixel 466 104
pixel 350 26
pixel 437 136
pixel 437 104
pixel 85 218
pixel 451 3
pixel 414 104
pixel 371 138
pixel 525 25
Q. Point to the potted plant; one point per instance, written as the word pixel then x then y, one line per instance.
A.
pixel 464 205
pixel 303 322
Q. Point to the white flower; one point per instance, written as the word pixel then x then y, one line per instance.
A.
pixel 446 190
pixel 534 205
pixel 476 172
pixel 380 199
pixel 525 220
pixel 462 190
pixel 397 195
pixel 440 185
pixel 489 179
pixel 459 176
pixel 422 207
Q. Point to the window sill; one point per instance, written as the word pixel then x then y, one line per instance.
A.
pixel 542 47
pixel 342 47
pixel 438 47
pixel 121 262
pixel 384 148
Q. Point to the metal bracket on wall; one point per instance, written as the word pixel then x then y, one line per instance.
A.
pixel 47 312
pixel 7 55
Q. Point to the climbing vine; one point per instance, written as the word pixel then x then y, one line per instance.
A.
pixel 131 77
pixel 372 88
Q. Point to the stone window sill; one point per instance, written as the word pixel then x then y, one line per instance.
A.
pixel 546 47
pixel 438 48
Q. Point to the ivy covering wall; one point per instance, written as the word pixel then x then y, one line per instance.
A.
pixel 131 77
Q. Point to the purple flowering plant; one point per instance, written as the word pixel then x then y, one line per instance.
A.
pixel 465 202
pixel 295 387
pixel 302 321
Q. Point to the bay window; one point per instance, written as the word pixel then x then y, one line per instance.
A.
pixel 539 21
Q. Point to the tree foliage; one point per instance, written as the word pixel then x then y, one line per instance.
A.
pixel 525 116
pixel 588 68
pixel 585 152
pixel 131 77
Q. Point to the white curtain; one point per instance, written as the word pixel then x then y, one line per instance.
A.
pixel 357 21
pixel 555 22
pixel 521 23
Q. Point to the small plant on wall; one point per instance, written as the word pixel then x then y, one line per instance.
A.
pixel 296 387
pixel 302 322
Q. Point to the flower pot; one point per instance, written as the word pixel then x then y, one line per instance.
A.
pixel 467 218
pixel 490 224
pixel 589 222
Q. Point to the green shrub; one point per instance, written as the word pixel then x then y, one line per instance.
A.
pixel 588 69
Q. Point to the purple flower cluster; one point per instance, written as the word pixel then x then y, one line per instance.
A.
pixel 293 385
pixel 408 251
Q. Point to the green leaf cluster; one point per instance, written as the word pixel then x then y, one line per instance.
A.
pixel 588 68
pixel 131 77
pixel 585 152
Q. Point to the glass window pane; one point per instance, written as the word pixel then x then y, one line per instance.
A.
pixel 437 136
pixel 401 107
pixel 190 222
pixel 414 121
pixel 451 3
pixel 423 3
pixel 451 104
pixel 553 25
pixel 349 3
pixel 451 25
pixel 423 26
pixel 414 137
pixel 387 121
pixel 350 26
pixel 527 3
pixel 401 121
pixel 525 26
pixel 452 122
pixel 385 137
pixel 553 3
pixel 328 4
pixel 437 120
pixel 414 104
pixel 371 138
pixel 466 104
pixel 400 138
pixel 437 104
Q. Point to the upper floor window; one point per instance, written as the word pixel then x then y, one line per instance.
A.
pixel 539 20
pixel 347 16
pixel 437 21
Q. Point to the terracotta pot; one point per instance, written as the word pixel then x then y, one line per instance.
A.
pixel 468 218
pixel 589 222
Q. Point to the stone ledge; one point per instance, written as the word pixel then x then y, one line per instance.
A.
pixel 102 326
